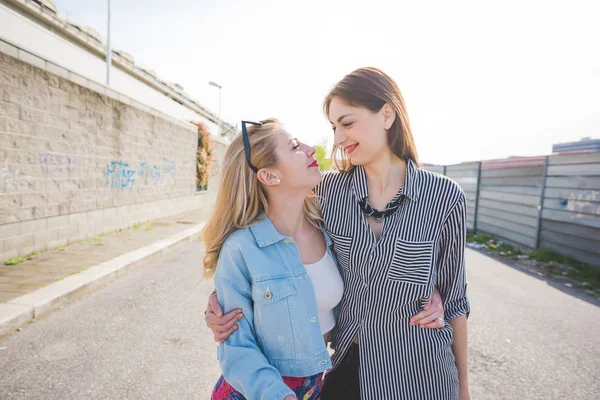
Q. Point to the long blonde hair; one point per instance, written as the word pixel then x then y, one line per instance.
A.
pixel 242 198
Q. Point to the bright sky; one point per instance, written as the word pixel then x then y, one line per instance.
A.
pixel 481 79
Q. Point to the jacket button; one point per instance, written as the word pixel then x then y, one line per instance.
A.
pixel 268 294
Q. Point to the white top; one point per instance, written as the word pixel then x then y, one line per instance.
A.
pixel 329 288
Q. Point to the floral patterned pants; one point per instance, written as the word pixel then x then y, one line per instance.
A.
pixel 305 388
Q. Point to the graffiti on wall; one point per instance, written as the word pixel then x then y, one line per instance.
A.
pixel 168 166
pixel 148 171
pixel 120 176
pixel 13 179
pixel 156 172
pixel 56 165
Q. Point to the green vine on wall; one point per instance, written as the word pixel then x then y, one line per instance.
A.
pixel 204 156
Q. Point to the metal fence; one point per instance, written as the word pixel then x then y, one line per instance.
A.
pixel 551 202
pixel 467 175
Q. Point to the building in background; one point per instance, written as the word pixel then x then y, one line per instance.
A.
pixel 585 144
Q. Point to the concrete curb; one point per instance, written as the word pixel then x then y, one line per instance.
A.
pixel 20 311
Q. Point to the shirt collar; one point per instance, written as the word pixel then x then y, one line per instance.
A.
pixel 266 234
pixel 410 188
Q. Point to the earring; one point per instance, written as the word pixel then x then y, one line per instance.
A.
pixel 278 180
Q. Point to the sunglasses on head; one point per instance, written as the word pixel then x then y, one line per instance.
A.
pixel 246 140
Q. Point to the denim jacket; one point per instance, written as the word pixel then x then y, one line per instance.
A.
pixel 260 271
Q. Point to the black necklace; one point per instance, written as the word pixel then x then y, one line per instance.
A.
pixel 379 215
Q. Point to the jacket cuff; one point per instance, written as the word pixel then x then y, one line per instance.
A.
pixel 277 391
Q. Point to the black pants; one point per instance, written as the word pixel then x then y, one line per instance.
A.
pixel 343 382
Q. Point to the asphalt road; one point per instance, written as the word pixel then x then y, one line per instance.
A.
pixel 142 337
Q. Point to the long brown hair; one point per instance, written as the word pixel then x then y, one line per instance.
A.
pixel 372 88
pixel 241 198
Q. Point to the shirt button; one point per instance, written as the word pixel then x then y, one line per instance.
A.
pixel 313 319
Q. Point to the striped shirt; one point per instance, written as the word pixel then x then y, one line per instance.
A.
pixel 386 281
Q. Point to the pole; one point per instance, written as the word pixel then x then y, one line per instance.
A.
pixel 108 50
pixel 215 84
pixel 477 190
pixel 219 129
pixel 540 207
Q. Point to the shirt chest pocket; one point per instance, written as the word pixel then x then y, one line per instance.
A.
pixel 411 262
pixel 274 301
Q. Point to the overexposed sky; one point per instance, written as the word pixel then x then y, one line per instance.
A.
pixel 481 79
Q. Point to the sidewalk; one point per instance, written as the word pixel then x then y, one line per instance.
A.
pixel 38 286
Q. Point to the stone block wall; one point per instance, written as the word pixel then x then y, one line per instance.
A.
pixel 78 159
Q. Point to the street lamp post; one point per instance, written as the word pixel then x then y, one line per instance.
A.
pixel 211 83
pixel 108 50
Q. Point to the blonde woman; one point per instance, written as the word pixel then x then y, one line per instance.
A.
pixel 271 260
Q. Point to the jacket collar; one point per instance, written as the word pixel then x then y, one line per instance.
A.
pixel 266 234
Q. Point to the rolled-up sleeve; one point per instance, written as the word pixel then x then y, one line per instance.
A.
pixel 451 272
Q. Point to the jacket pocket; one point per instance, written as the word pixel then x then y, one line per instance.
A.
pixel 411 262
pixel 272 290
pixel 274 301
